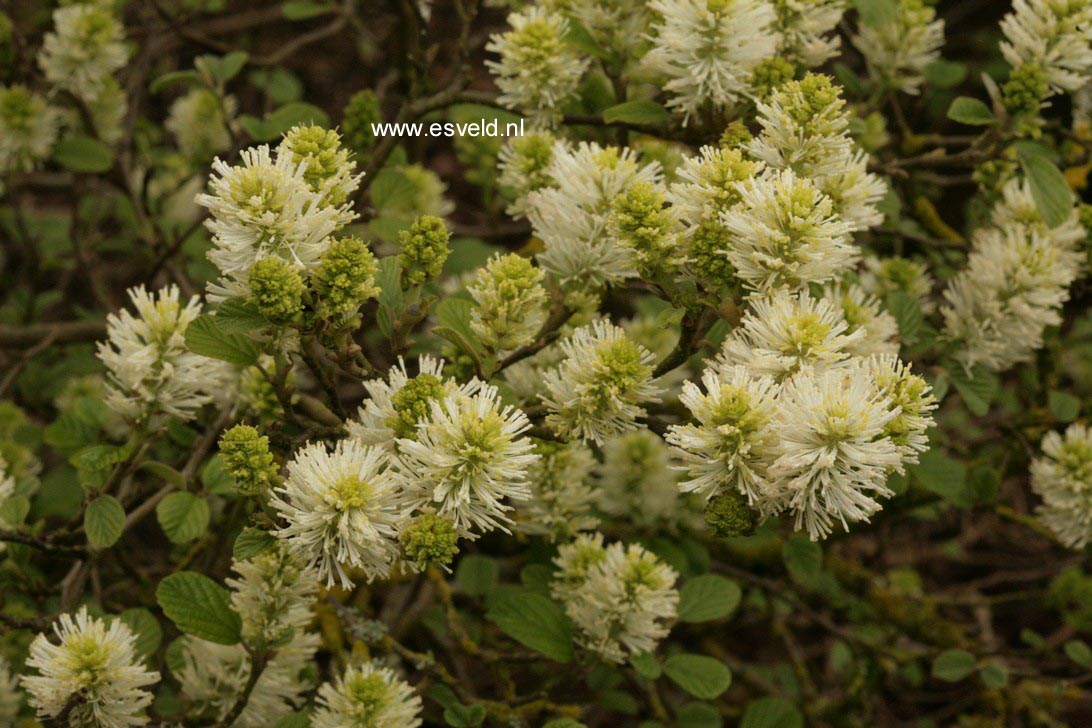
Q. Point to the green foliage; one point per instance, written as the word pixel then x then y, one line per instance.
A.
pixel 708 597
pixel 204 336
pixel 200 607
pixel 970 111
pixel 104 521
pixel 534 621
pixel 235 458
pixel 183 516
pixel 701 676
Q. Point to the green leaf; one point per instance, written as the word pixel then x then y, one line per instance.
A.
pixel 239 316
pixel 279 84
pixel 1064 406
pixel 14 511
pixel 581 38
pixel 252 542
pixel 708 597
pixel 477 575
pixel 947 477
pixel 772 712
pixel 222 68
pixel 646 665
pixel 391 299
pixel 907 313
pixel 81 153
pixel 302 10
pixel 392 189
pixel 199 607
pixel 945 74
pixel 647 113
pixel 618 701
pixel 460 715
pixel 453 323
pixel 77 426
pixel 145 627
pixel 1053 197
pixel 214 479
pixel 174 77
pixel 204 337
pixel 970 111
pixel 294 113
pixel 803 558
pixel 282 119
pixel 877 12
pixel 536 577
pixel 95 462
pixel 564 723
pixel 104 520
pixel 1079 652
pixel 994 676
pixel 701 676
pixel 535 621
pixel 953 665
pixel 698 715
pixel 977 389
pixel 165 472
pixel 183 516
pixel 984 482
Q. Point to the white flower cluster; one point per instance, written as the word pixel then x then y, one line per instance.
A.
pixel 151 372
pixel 367 695
pixel 898 50
pixel 571 215
pixel 199 122
pixel 1063 479
pixel 1055 35
pixel 284 203
pixel 511 302
pixel 708 50
pixel 795 421
pixel 420 444
pixel 637 484
pixel 94 673
pixel 1016 279
pixel 598 388
pixel 28 129
pixel 273 594
pixel 81 55
pixel 621 598
pixel 538 70
pixel 805 128
pixel 561 491
pixel 343 510
pixel 710 56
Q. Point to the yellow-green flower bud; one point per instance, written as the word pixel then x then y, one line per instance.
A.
pixel 708 262
pixel 770 74
pixel 425 248
pixel 511 302
pixel 360 113
pixel 729 515
pixel 1025 90
pixel 248 461
pixel 735 136
pixel 412 403
pixel 430 539
pixel 641 222
pixel 327 166
pixel 345 278
pixel 276 288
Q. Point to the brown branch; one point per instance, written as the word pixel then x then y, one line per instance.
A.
pixel 62 332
